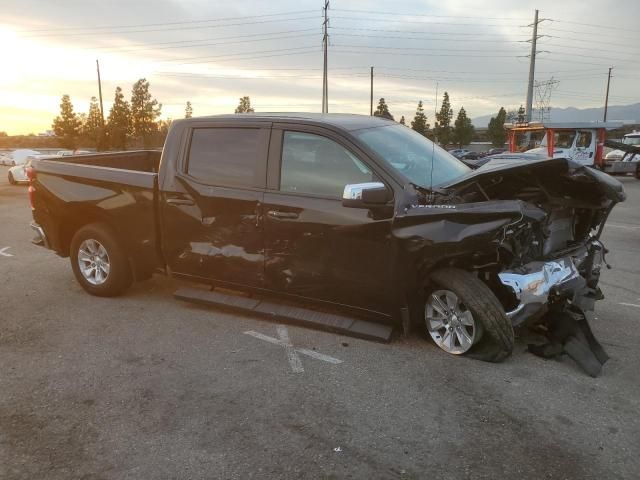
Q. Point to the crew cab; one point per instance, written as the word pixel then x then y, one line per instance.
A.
pixel 350 212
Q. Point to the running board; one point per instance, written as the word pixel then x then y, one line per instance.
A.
pixel 288 314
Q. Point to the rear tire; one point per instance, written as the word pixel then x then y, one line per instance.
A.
pixel 99 261
pixel 638 172
pixel 494 339
pixel 12 181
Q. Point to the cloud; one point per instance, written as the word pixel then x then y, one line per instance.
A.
pixel 248 47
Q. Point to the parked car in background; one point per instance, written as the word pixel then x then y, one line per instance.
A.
pixel 495 151
pixel 18 173
pixel 469 156
pixel 4 159
pixel 18 157
pixel 458 152
pixel 633 139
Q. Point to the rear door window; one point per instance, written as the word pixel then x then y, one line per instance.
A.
pixel 231 157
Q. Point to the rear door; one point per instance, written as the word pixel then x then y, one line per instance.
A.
pixel 315 247
pixel 210 216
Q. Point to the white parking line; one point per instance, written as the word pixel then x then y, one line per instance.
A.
pixel 626 227
pixel 292 353
pixel 3 252
pixel 629 304
pixel 294 359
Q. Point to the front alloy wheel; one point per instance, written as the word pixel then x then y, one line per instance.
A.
pixel 450 323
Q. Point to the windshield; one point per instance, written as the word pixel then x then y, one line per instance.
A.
pixel 631 140
pixel 412 154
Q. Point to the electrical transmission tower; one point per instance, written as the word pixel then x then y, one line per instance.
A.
pixel 543 98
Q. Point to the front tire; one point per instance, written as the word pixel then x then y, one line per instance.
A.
pixel 99 261
pixel 463 316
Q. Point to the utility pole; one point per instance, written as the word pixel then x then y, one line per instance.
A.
pixel 532 67
pixel 325 41
pixel 606 98
pixel 100 92
pixel 371 101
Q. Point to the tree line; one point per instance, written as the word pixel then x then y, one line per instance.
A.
pixel 131 122
pixel 447 131
pixel 135 121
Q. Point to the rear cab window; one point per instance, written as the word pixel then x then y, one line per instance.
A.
pixel 228 156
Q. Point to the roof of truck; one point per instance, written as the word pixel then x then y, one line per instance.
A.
pixel 344 121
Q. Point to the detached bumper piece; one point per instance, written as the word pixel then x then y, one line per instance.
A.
pixel 564 291
pixel 569 333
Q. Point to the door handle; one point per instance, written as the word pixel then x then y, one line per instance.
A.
pixel 282 215
pixel 180 201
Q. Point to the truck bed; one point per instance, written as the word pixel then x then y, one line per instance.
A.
pixel 118 188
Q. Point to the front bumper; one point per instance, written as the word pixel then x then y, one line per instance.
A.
pixel 536 284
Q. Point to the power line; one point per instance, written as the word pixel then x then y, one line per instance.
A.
pixel 235 42
pixel 371 47
pixel 595 25
pixel 427 38
pixel 388 20
pixel 133 47
pixel 185 22
pixel 171 29
pixel 421 15
pixel 475 34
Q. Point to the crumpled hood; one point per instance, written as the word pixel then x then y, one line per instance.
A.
pixel 589 177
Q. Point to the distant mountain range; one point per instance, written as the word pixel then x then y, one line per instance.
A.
pixel 623 113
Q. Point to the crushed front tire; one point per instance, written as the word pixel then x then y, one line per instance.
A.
pixel 497 339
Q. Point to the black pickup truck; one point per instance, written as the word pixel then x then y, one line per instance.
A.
pixel 340 211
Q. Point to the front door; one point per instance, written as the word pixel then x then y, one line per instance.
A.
pixel 585 147
pixel 211 220
pixel 315 247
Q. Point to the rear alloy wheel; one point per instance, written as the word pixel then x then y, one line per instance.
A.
pixel 94 262
pixel 99 261
pixel 12 180
pixel 463 316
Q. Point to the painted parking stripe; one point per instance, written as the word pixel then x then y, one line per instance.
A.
pixel 292 353
pixel 629 304
pixel 3 252
pixel 626 227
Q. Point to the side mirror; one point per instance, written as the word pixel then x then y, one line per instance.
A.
pixel 365 195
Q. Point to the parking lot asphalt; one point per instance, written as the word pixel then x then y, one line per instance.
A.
pixel 145 387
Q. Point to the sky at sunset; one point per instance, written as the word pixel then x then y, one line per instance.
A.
pixel 213 52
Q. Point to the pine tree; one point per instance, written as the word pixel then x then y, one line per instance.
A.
pixel 463 129
pixel 443 121
pixel 67 125
pixel 188 111
pixel 495 131
pixel 402 122
pixel 144 111
pixel 92 128
pixel 419 123
pixel 119 122
pixel 383 110
pixel 244 106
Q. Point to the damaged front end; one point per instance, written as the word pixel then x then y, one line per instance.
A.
pixel 531 231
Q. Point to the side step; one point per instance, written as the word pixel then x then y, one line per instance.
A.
pixel 288 314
